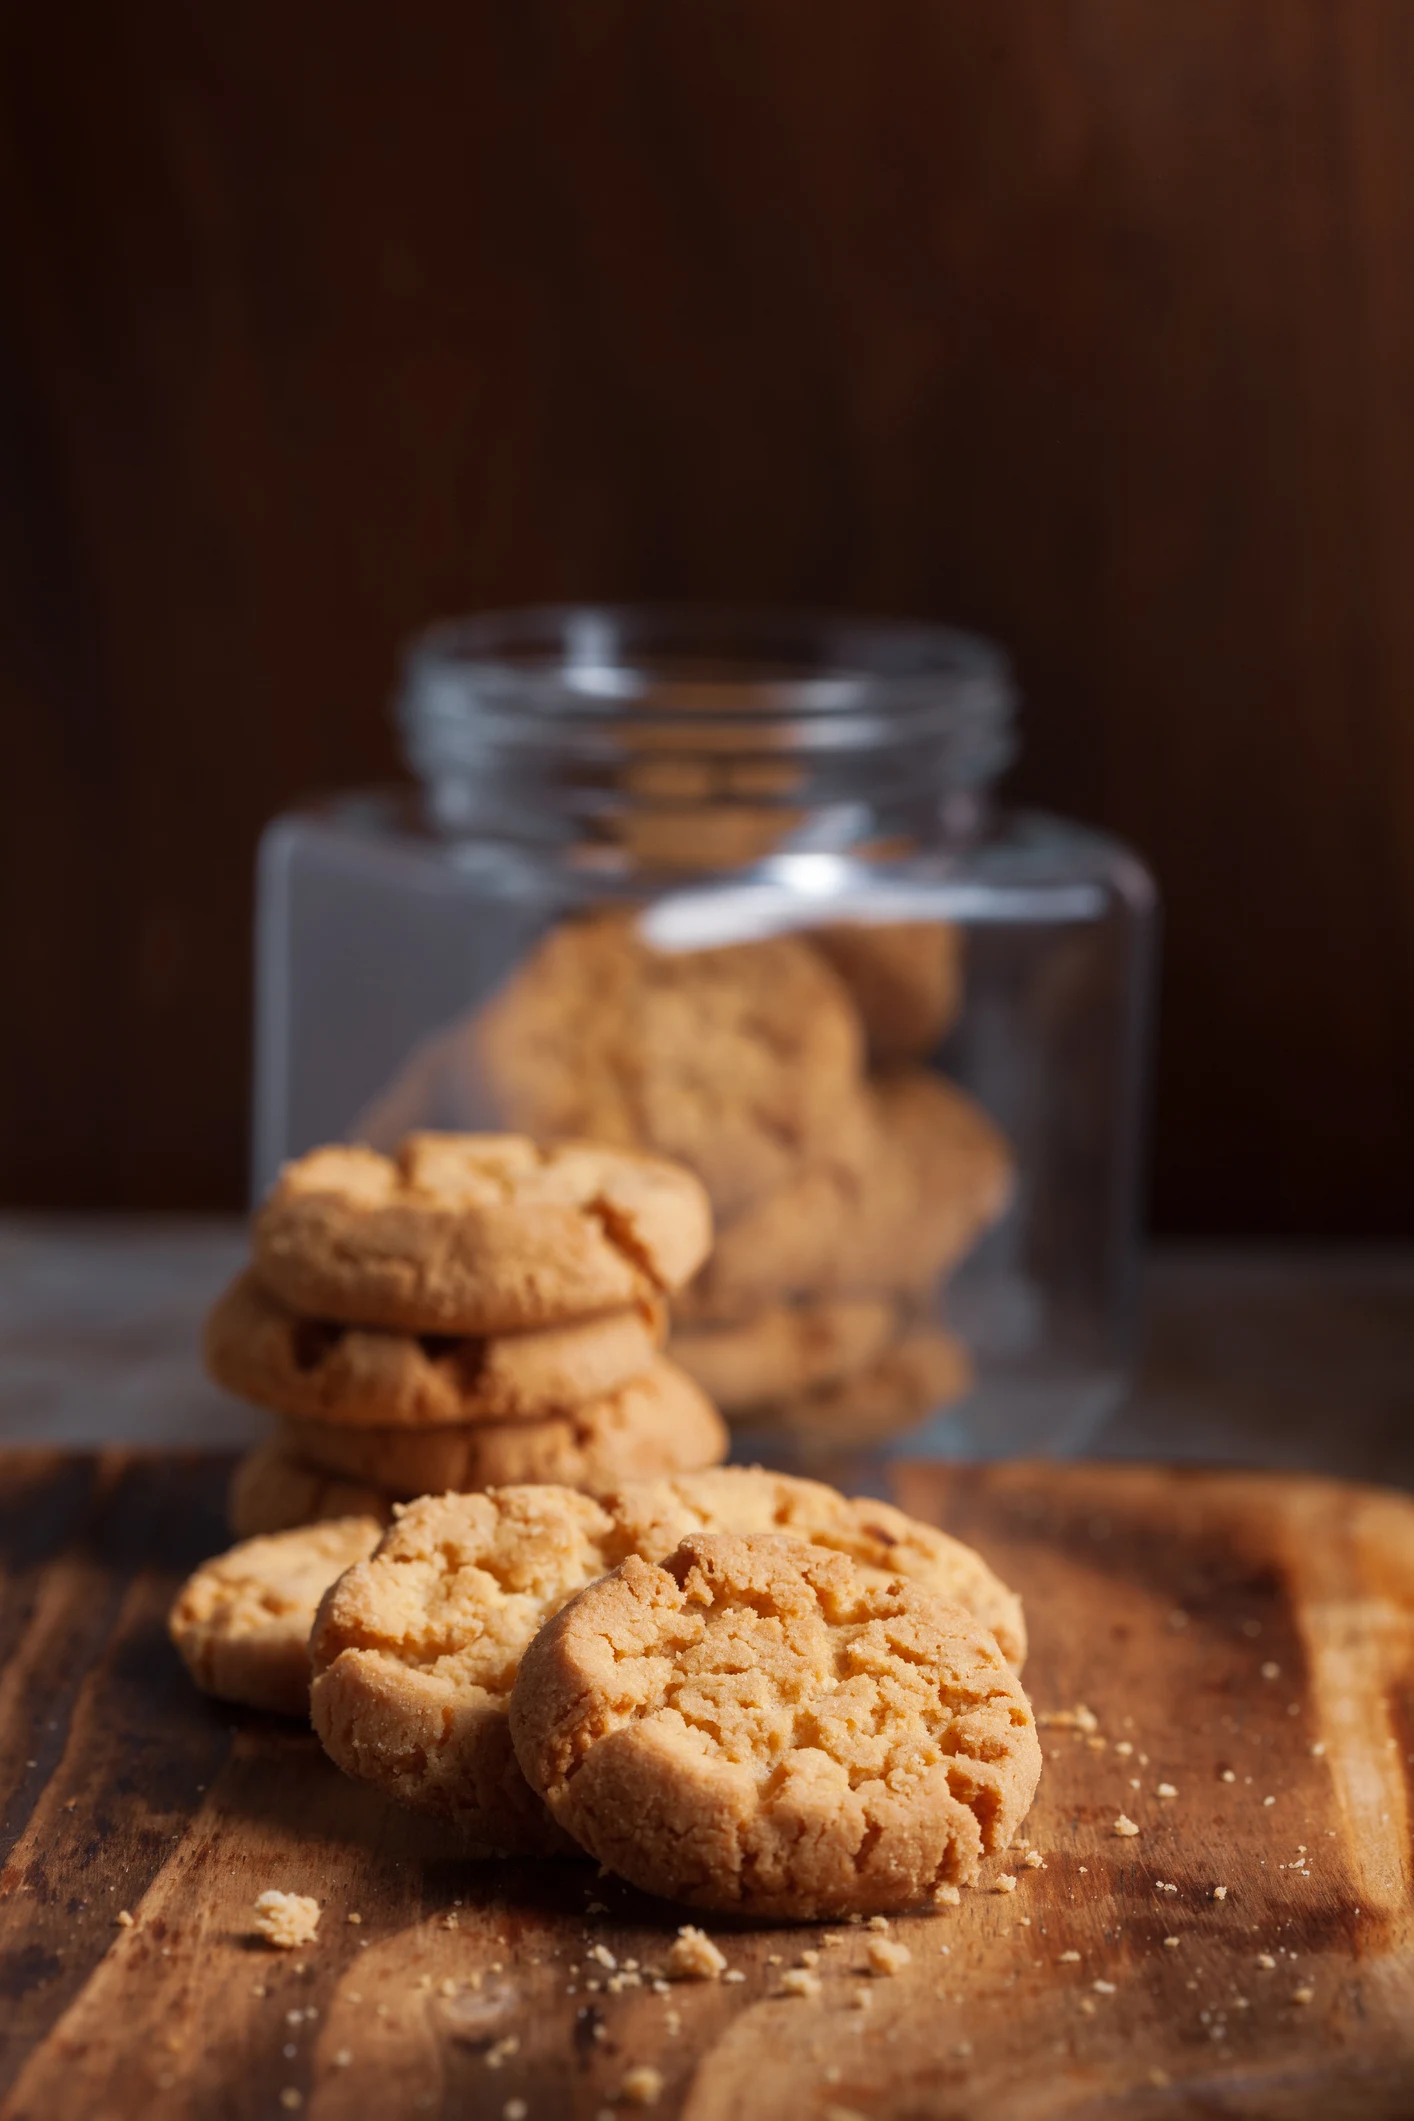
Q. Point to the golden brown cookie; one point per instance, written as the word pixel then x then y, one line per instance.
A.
pixel 477 1233
pixel 658 1423
pixel 654 1515
pixel 744 1062
pixel 755 1726
pixel 416 1652
pixel 919 1375
pixel 241 1623
pixel 941 1175
pixel 905 979
pixel 363 1377
pixel 785 1349
pixel 272 1491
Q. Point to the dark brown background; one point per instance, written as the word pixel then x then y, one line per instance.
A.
pixel 1087 322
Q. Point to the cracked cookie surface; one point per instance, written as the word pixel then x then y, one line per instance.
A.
pixel 241 1621
pixel 755 1726
pixel 477 1233
pixel 374 1378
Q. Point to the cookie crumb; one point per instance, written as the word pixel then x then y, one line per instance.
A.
pixel 355 1917
pixel 1088 2006
pixel 1270 1670
pixel 1125 1827
pixel 673 2021
pixel 799 1981
pixel 501 2051
pixel 123 1919
pixel 1077 1719
pixel 1069 1959
pixel 810 1958
pixel 1103 1988
pixel 1265 1959
pixel 1220 1892
pixel 946 1896
pixel 642 2086
pixel 1166 1789
pixel 343 2057
pixel 1171 1944
pixel 286 1920
pixel 1034 1860
pixel 1006 1883
pixel 604 1957
pixel 694 1956
pixel 887 1956
pixel 1318 1749
pixel 1303 1995
pixel 860 1998
pixel 1227 1775
pixel 733 1973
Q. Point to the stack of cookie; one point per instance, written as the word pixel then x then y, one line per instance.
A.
pixel 472 1311
pixel 734 1688
pixel 847 1179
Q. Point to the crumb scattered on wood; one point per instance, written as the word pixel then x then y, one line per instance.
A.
pixel 887 1956
pixel 286 1920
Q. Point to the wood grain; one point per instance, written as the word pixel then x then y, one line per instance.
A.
pixel 1158 1599
pixel 1087 323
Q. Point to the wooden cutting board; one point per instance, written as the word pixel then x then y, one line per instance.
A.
pixel 1247 1641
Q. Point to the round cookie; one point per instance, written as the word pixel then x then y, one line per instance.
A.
pixel 755 1726
pixel 415 1650
pixel 272 1491
pixel 477 1233
pixel 941 1175
pixel 904 978
pixel 415 1653
pixel 785 1349
pixel 658 1423
pixel 328 1371
pixel 744 1061
pixel 924 1371
pixel 241 1623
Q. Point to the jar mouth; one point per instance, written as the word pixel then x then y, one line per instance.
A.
pixel 584 710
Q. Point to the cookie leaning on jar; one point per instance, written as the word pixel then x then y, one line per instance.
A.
pixel 475 1307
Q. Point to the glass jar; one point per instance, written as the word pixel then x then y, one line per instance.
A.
pixel 732 886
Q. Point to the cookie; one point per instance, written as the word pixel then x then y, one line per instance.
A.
pixel 940 1176
pixel 744 1062
pixel 785 1349
pixel 654 1515
pixel 241 1623
pixel 333 1372
pixel 755 1726
pixel 272 1491
pixel 923 1372
pixel 477 1233
pixel 415 1652
pixel 904 978
pixel 658 1423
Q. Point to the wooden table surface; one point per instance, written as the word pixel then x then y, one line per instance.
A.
pixel 1245 1641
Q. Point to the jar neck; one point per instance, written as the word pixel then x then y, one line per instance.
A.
pixel 704 738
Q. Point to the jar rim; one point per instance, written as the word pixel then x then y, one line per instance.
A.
pixel 582 708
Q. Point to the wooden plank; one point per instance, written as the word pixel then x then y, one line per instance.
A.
pixel 1253 1627
pixel 1092 325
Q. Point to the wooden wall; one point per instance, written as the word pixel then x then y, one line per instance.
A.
pixel 1086 322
